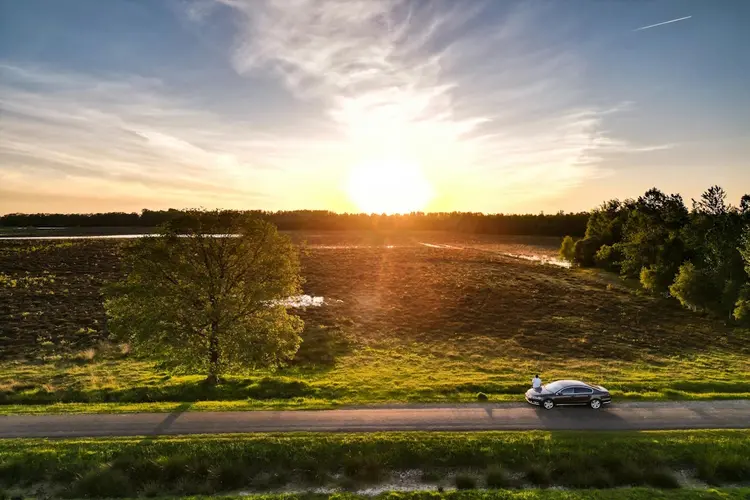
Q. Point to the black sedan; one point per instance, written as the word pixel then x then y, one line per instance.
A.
pixel 569 392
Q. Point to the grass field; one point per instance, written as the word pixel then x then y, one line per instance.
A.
pixel 403 322
pixel 109 467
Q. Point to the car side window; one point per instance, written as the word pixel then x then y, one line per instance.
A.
pixel 568 392
pixel 583 390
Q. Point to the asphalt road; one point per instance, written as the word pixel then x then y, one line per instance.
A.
pixel 624 416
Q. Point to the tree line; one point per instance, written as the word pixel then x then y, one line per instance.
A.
pixel 558 224
pixel 699 256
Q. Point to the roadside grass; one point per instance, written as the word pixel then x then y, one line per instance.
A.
pixel 108 467
pixel 616 494
pixel 405 324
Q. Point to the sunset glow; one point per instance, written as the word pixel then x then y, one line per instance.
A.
pixel 389 186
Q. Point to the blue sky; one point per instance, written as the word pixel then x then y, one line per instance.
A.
pixel 375 105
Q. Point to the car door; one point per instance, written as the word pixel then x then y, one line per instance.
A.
pixel 565 396
pixel 582 395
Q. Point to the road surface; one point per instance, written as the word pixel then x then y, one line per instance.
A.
pixel 624 416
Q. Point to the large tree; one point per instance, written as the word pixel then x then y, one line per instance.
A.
pixel 205 294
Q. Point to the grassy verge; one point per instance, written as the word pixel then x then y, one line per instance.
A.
pixel 313 404
pixel 617 494
pixel 210 464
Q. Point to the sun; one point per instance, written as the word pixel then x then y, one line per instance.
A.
pixel 389 186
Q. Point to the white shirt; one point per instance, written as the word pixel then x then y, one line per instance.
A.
pixel 536 382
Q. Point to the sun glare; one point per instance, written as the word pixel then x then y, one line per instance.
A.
pixel 389 186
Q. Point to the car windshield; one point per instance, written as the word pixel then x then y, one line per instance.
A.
pixel 554 386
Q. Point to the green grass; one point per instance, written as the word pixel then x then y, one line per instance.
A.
pixel 618 494
pixel 404 324
pixel 212 464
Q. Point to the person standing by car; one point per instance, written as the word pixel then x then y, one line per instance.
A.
pixel 536 383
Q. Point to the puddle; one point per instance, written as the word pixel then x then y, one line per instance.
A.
pixel 347 247
pixel 543 259
pixel 436 245
pixel 302 301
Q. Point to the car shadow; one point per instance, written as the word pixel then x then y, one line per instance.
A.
pixel 581 418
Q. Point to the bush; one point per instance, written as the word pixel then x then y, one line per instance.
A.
pixel 661 478
pixel 567 249
pixel 585 251
pixel 364 467
pixel 498 478
pixel 227 476
pixel 609 257
pixel 716 469
pixel 102 483
pixel 465 482
pixel 538 475
pixel 657 278
pixel 742 306
pixel 693 288
pixel 482 396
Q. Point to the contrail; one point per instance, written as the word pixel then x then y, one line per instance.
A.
pixel 665 22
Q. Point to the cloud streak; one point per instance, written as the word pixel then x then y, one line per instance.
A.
pixel 662 24
pixel 494 114
pixel 469 104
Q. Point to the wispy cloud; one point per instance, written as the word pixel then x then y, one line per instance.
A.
pixel 661 24
pixel 493 113
pixel 127 137
pixel 490 103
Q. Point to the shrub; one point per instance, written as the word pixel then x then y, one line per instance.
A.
pixel 661 478
pixel 364 467
pixel 465 482
pixel 693 288
pixel 102 483
pixel 227 476
pixel 742 306
pixel 538 475
pixel 482 396
pixel 567 249
pixel 717 469
pixel 609 257
pixel 656 278
pixel 585 251
pixel 498 478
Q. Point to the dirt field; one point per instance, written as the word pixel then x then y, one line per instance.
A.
pixel 407 317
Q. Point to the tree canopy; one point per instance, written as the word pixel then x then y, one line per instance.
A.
pixel 699 256
pixel 205 294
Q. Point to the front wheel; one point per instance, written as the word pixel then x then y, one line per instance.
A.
pixel 548 404
pixel 595 404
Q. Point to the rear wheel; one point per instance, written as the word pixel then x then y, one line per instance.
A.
pixel 595 404
pixel 548 404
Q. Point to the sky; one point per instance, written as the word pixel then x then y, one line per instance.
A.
pixel 370 105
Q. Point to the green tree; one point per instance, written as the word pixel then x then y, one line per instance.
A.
pixel 652 233
pixel 609 257
pixel 742 306
pixel 205 294
pixel 694 288
pixel 584 252
pixel 567 249
pixel 714 239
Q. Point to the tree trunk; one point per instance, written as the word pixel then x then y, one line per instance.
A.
pixel 213 353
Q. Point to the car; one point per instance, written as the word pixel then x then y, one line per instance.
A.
pixel 569 393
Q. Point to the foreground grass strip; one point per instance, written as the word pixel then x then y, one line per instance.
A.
pixel 214 464
pixel 611 494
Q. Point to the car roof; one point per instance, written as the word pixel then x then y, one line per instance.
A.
pixel 569 383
